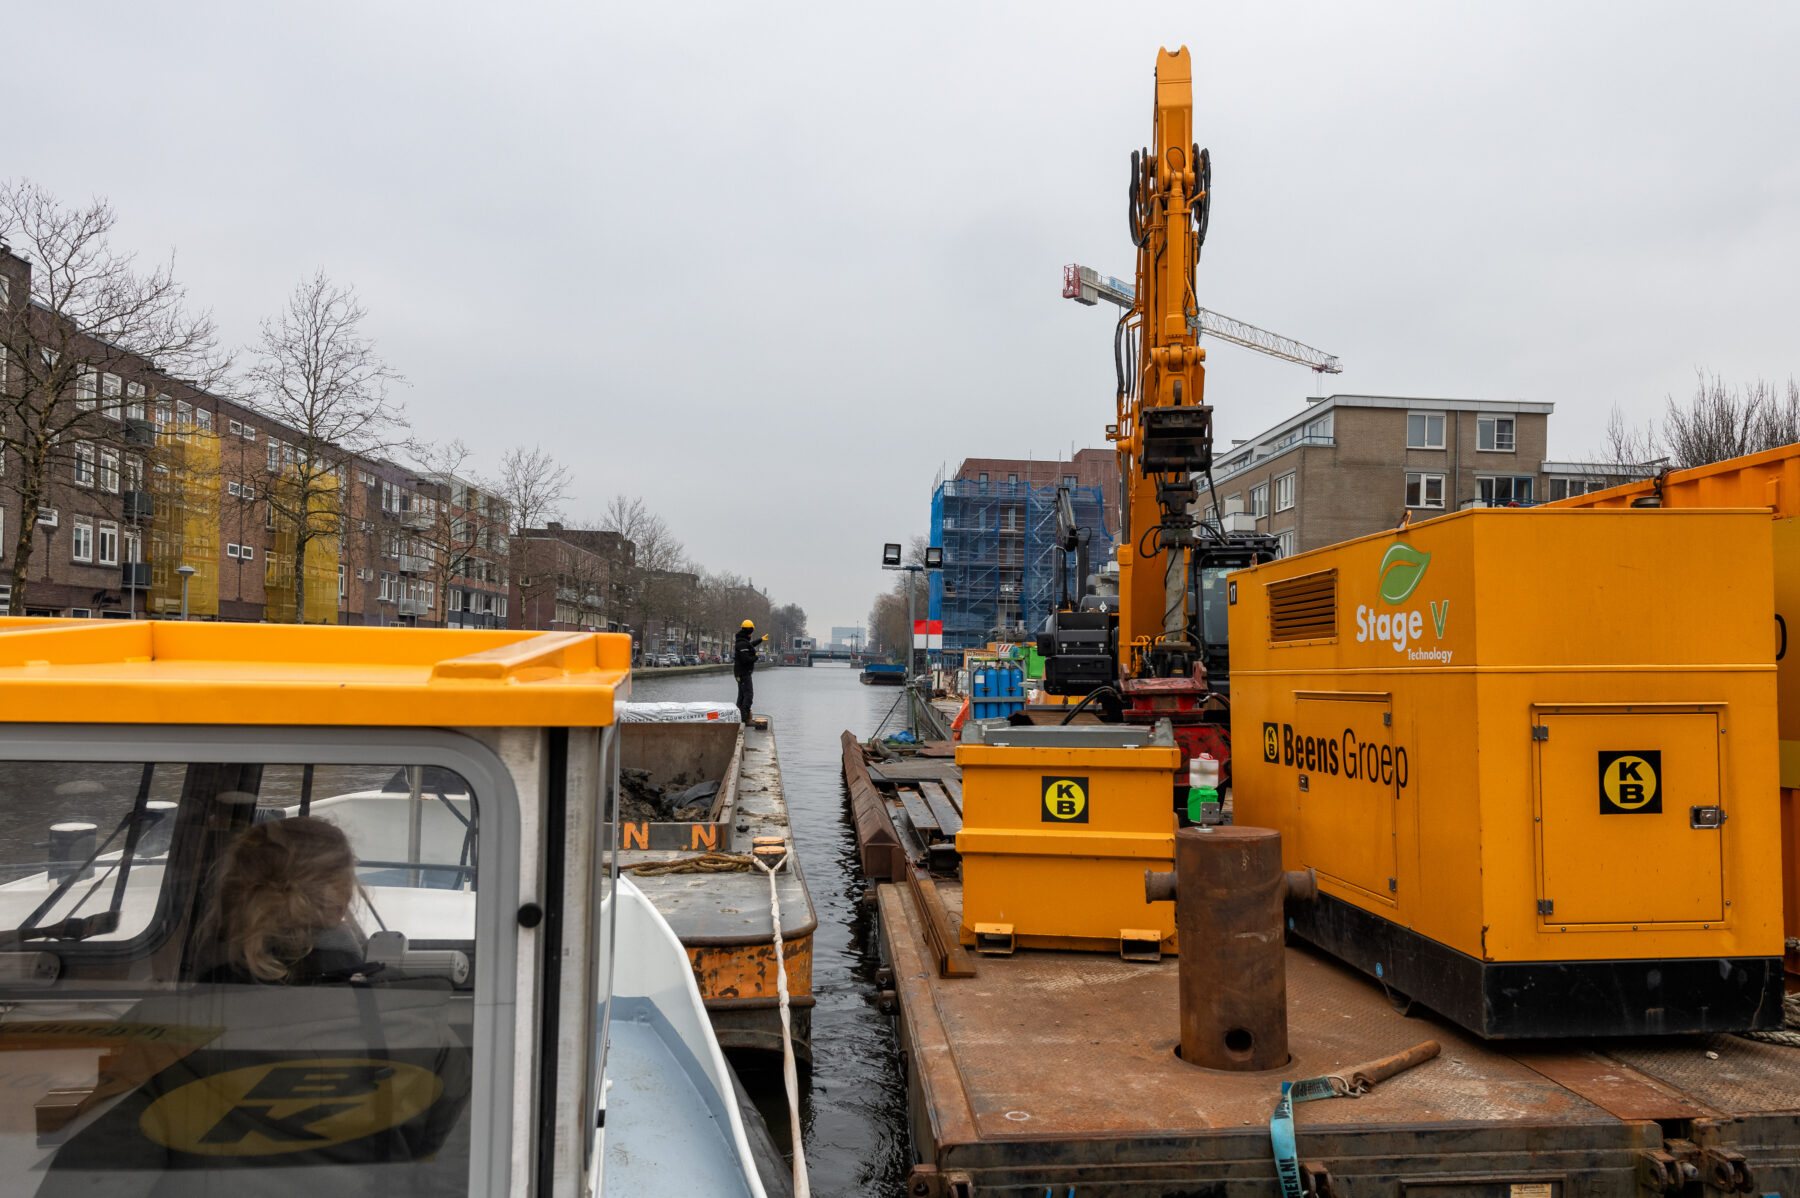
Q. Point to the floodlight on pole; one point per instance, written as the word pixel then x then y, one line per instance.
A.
pixel 890 556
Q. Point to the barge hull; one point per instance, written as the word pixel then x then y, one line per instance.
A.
pixel 1058 1071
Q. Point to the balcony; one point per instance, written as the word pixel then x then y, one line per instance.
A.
pixel 135 576
pixel 412 519
pixel 413 563
pixel 413 607
pixel 140 432
pixel 139 505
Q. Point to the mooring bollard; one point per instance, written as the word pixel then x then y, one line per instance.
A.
pixel 1229 890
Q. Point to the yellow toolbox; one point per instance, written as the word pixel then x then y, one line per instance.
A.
pixel 1532 755
pixel 1059 825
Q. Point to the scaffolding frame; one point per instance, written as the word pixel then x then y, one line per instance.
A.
pixel 1000 576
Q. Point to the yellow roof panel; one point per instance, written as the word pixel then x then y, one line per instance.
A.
pixel 157 671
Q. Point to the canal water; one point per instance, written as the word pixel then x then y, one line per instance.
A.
pixel 853 1106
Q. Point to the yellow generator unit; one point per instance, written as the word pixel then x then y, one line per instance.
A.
pixel 1768 479
pixel 1059 825
pixel 1531 755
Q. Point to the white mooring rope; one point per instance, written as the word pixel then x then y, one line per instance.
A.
pixel 801 1188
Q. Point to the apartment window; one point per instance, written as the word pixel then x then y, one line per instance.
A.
pixel 184 415
pixel 234 489
pixel 1424 490
pixel 134 547
pixel 1259 499
pixel 1568 488
pixel 164 414
pixel 1284 542
pixel 274 454
pixel 1284 492
pixel 1494 434
pixel 237 429
pixel 1500 490
pixel 87 388
pixel 111 387
pixel 340 580
pixel 1068 480
pixel 47 517
pixel 456 601
pixel 134 474
pixel 203 418
pixel 84 465
pixel 231 550
pixel 1320 428
pixel 249 492
pixel 1012 478
pixel 1424 430
pixel 109 544
pixel 109 470
pixel 82 613
pixel 247 552
pixel 134 401
pixel 82 543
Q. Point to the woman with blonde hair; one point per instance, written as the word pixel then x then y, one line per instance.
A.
pixel 281 908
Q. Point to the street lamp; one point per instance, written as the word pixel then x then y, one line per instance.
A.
pixel 890 560
pixel 186 573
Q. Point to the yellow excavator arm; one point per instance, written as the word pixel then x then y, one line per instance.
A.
pixel 1164 430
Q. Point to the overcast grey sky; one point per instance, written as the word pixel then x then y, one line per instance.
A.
pixel 772 267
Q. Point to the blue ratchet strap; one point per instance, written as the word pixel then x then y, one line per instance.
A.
pixel 1281 1129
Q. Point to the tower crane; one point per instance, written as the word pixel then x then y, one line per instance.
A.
pixel 1085 285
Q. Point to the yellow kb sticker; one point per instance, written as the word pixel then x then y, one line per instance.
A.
pixel 291 1106
pixel 1630 782
pixel 1065 800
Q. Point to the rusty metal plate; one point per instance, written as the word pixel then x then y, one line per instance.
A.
pixel 1746 1077
pixel 1063 1044
pixel 1613 1086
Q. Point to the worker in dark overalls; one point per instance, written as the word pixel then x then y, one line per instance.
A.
pixel 743 664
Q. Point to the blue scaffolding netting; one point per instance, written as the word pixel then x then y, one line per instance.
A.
pixel 1000 559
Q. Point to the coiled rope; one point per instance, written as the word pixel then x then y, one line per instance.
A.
pixel 705 863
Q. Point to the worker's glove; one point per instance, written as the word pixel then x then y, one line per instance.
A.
pixel 765 636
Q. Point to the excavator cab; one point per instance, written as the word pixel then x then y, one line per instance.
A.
pixel 1210 597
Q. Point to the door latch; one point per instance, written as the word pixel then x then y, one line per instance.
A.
pixel 1546 906
pixel 1540 732
pixel 1706 817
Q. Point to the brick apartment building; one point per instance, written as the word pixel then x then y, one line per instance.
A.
pixel 163 474
pixel 568 579
pixel 1349 465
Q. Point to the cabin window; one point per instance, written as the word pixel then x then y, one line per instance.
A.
pixel 241 966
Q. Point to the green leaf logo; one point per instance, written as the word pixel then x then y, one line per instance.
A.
pixel 1402 567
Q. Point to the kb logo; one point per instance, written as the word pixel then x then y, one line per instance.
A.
pixel 1631 782
pixel 1065 800
pixel 1272 743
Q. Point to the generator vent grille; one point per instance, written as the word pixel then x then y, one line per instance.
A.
pixel 1303 608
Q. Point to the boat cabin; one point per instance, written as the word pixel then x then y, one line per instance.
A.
pixel 303 910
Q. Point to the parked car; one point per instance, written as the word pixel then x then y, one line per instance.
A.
pixel 671 659
pixel 692 659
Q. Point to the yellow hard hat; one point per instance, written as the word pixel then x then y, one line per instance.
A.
pixel 748 624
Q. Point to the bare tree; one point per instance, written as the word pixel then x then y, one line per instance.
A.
pixel 658 578
pixel 462 532
pixel 1718 421
pixel 88 314
pixel 315 372
pixel 534 487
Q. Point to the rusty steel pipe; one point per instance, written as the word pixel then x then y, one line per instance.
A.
pixel 1229 890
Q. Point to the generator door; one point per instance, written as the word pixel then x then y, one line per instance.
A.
pixel 1630 818
pixel 1349 776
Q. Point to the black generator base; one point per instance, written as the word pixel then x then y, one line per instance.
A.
pixel 1516 1000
